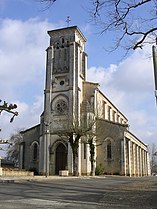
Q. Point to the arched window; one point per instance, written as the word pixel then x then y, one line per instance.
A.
pixel 85 150
pixel 35 151
pixel 109 150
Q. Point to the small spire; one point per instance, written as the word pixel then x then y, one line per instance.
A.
pixel 68 21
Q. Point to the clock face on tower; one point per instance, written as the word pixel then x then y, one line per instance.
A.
pixel 61 107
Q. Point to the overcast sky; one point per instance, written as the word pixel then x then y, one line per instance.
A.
pixel 128 82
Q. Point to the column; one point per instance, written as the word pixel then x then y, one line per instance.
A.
pixel 124 148
pixel 143 164
pixel 134 158
pixel 70 161
pixel 148 165
pixel 44 154
pixel 79 159
pixel 129 157
pixel 137 160
pixel 146 162
pixel 48 154
pixel 88 162
pixel 21 157
pixel 140 163
pixel 122 157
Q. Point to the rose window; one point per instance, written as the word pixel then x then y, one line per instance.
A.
pixel 61 106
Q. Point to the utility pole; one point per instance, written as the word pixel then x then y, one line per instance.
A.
pixel 154 51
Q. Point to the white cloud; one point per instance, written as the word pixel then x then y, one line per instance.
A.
pixel 130 86
pixel 22 54
pixel 135 73
pixel 22 70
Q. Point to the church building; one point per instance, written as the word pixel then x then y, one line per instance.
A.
pixel 70 100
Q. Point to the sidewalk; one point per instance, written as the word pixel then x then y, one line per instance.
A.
pixel 8 179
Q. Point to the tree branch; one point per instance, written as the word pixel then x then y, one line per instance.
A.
pixel 141 41
pixel 9 108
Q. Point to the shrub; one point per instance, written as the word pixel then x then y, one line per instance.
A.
pixel 99 170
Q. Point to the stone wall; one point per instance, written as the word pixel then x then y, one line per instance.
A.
pixel 109 134
pixel 29 160
pixel 14 173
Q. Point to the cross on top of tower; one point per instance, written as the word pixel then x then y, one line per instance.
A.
pixel 68 20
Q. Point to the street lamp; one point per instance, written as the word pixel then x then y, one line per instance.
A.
pixel 47 131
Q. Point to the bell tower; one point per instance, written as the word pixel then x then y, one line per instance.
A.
pixel 66 67
pixel 65 73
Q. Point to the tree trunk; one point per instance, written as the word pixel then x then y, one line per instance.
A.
pixel 74 143
pixel 92 153
pixel 75 166
pixel 92 169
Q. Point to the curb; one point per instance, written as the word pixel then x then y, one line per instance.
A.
pixel 7 181
pixel 43 178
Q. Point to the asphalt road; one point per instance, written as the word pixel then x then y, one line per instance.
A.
pixel 80 193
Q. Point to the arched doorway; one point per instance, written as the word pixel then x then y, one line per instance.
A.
pixel 61 158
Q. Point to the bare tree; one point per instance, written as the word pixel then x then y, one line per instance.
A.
pixel 92 138
pixel 133 22
pixel 83 129
pixel 91 141
pixel 153 156
pixel 13 147
pixel 80 127
pixel 47 3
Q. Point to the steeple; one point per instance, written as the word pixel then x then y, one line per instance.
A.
pixel 65 73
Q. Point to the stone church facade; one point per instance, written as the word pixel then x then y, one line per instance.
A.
pixel 67 97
